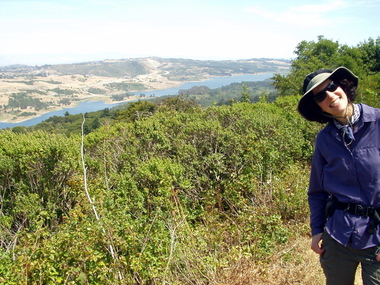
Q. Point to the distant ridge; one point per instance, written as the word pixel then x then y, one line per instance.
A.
pixel 175 68
pixel 30 91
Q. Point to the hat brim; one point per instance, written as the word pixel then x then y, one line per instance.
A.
pixel 307 106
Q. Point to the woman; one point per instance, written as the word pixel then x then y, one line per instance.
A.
pixel 344 189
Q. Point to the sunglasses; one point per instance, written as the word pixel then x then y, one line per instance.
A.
pixel 321 95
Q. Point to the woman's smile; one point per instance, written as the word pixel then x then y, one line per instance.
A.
pixel 335 103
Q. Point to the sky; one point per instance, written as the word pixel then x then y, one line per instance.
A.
pixel 37 32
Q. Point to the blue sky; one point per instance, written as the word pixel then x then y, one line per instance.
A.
pixel 60 31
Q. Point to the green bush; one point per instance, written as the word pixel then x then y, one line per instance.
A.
pixel 180 194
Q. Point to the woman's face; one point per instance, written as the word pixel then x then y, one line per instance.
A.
pixel 335 102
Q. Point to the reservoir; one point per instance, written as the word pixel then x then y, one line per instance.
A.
pixel 92 106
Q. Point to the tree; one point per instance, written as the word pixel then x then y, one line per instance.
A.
pixel 245 94
pixel 136 110
pixel 95 123
pixel 371 54
pixel 310 57
pixel 363 60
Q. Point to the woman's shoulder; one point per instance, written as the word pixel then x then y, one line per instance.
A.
pixel 370 113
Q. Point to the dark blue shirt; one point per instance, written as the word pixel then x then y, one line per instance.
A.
pixel 351 174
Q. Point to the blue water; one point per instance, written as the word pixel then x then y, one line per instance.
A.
pixel 92 106
pixel 214 82
pixel 82 107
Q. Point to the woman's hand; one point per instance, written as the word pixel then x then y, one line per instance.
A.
pixel 316 245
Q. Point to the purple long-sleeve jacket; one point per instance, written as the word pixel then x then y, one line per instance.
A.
pixel 351 174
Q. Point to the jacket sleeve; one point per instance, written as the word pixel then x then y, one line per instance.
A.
pixel 317 196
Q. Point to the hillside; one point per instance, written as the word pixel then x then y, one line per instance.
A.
pixel 185 195
pixel 29 91
pixel 168 192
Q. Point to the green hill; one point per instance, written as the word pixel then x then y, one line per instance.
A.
pixel 103 68
pixel 170 192
pixel 177 188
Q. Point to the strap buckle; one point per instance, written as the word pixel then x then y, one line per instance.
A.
pixel 363 211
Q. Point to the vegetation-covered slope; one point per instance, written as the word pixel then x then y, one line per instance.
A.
pixel 181 195
pixel 167 192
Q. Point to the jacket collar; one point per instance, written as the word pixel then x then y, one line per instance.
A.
pixel 368 114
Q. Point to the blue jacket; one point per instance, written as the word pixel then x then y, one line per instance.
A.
pixel 351 174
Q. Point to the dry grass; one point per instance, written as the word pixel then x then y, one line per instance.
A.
pixel 78 83
pixel 294 264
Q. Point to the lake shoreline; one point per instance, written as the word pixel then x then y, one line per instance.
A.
pixel 211 82
pixel 106 100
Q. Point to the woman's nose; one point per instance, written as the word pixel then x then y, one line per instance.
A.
pixel 330 94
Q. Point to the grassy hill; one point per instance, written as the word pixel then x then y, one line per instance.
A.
pixel 198 95
pixel 181 192
pixel 172 68
pixel 130 68
pixel 29 91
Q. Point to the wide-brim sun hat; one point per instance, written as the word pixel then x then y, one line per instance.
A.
pixel 307 107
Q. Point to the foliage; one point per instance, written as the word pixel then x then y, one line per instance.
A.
pixel 363 60
pixel 126 86
pixel 226 95
pixel 202 95
pixel 34 171
pixel 181 194
pixel 188 69
pixel 135 111
pixel 109 69
pixel 63 91
pixel 371 54
pixel 95 90
pixel 22 101
pixel 71 124
pixel 245 94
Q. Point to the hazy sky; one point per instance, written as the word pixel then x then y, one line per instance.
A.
pixel 55 31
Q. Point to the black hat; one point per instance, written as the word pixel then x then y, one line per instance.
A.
pixel 306 105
